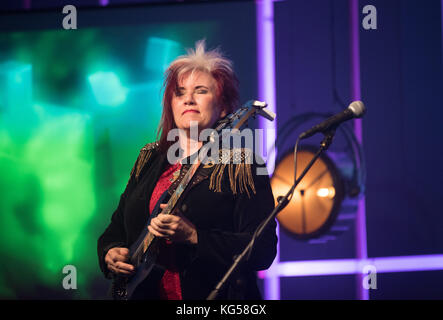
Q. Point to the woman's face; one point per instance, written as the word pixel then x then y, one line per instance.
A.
pixel 195 100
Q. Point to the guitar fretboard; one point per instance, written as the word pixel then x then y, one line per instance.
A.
pixel 173 200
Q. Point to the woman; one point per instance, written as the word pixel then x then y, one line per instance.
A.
pixel 220 212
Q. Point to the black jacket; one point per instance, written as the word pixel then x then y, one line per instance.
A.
pixel 224 221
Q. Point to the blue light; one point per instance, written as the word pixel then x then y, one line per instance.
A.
pixel 107 89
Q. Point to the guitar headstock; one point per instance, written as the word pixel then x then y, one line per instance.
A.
pixel 238 119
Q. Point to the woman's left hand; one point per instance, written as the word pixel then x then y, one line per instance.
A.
pixel 173 227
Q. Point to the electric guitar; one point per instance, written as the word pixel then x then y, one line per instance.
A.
pixel 144 252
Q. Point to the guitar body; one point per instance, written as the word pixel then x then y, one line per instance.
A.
pixel 123 286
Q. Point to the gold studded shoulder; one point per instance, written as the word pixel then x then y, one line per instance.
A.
pixel 150 146
pixel 143 157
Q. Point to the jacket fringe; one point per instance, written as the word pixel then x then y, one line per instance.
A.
pixel 143 157
pixel 239 164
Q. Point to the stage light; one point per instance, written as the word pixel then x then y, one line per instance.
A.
pixel 316 201
pixel 160 53
pixel 108 89
pixel 326 193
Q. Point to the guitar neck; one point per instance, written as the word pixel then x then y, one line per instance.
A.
pixel 181 188
pixel 171 203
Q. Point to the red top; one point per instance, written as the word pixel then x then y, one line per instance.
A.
pixel 170 283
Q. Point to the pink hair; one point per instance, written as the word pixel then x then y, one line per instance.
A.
pixel 211 62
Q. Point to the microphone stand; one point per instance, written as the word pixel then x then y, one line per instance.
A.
pixel 282 202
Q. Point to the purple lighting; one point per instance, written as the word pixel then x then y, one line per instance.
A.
pixel 266 74
pixel 27 4
pixel 360 223
pixel 359 265
pixel 355 266
pixel 266 92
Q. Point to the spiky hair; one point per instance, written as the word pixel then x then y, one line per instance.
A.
pixel 198 59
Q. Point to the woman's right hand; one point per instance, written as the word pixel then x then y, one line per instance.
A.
pixel 115 259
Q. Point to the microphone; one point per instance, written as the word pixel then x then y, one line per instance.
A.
pixel 355 110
